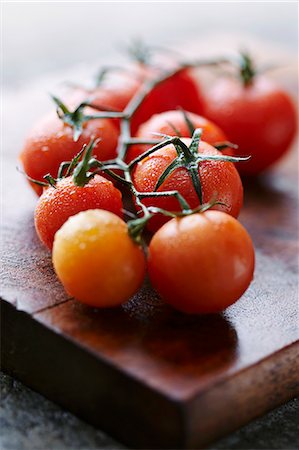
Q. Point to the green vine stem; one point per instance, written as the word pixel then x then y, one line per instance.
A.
pixel 246 69
pixel 139 51
pixel 75 119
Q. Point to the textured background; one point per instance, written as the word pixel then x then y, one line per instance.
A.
pixel 30 422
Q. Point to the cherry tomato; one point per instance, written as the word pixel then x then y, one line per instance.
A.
pixel 259 117
pixel 217 178
pixel 96 260
pixel 58 203
pixel 173 123
pixel 179 90
pixel 209 267
pixel 114 94
pixel 51 142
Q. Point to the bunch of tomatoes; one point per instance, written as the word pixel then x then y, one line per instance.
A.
pixel 168 147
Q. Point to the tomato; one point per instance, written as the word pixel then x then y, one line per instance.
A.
pixel 120 87
pixel 96 260
pixel 172 123
pixel 259 117
pixel 179 90
pixel 217 178
pixel 209 267
pixel 114 94
pixel 58 203
pixel 51 142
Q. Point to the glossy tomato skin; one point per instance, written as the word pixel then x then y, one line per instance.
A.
pixel 96 260
pixel 51 142
pixel 260 118
pixel 180 90
pixel 168 122
pixel 217 178
pixel 57 204
pixel 201 263
pixel 114 94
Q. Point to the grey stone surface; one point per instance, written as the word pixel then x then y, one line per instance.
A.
pixel 30 422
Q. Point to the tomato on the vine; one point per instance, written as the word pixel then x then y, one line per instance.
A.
pixel 66 199
pixel 256 114
pixel 180 90
pixel 51 142
pixel 113 94
pixel 209 267
pixel 96 260
pixel 173 123
pixel 218 178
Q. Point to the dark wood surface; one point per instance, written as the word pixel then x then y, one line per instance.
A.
pixel 149 375
pixel 146 374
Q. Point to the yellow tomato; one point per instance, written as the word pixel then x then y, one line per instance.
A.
pixel 96 260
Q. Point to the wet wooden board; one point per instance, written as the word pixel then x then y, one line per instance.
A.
pixel 148 375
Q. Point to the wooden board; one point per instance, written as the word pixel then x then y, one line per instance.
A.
pixel 153 377
pixel 145 373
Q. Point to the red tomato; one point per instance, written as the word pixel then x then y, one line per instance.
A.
pixel 96 260
pixel 114 94
pixel 172 123
pixel 179 90
pixel 259 117
pixel 217 177
pixel 120 88
pixel 51 142
pixel 209 267
pixel 58 203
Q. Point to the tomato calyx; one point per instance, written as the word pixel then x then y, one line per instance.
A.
pixel 144 54
pixel 66 169
pixel 136 226
pixel 140 52
pixel 247 71
pixel 220 146
pixel 82 173
pixel 190 159
pixel 75 119
pixel 80 168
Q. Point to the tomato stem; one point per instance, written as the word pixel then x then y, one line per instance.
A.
pixel 140 52
pixel 188 121
pixel 247 71
pixel 220 146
